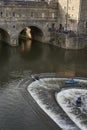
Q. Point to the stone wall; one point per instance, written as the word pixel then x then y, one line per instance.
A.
pixel 82 24
pixel 16 16
pixel 68 42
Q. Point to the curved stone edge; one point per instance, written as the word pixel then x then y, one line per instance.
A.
pixel 49 113
pixel 59 96
pixel 43 107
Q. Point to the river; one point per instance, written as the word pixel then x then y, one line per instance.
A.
pixel 18 111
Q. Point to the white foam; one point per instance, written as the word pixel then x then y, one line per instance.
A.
pixel 71 94
pixel 56 117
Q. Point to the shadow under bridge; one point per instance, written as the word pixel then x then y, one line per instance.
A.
pixel 32 33
pixel 4 37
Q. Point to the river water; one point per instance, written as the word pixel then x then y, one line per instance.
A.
pixel 18 111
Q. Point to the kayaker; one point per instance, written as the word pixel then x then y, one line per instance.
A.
pixel 78 102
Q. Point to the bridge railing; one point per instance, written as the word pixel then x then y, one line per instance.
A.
pixel 13 11
pixel 28 3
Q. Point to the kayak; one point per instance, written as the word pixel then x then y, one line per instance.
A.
pixel 72 81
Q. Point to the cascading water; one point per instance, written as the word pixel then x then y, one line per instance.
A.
pixel 43 92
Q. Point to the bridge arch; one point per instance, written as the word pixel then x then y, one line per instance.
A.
pixel 4 36
pixel 38 32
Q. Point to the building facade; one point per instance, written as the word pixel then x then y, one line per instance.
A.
pixel 69 13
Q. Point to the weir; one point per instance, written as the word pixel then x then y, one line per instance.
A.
pixel 58 101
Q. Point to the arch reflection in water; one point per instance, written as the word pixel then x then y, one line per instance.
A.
pixel 26 45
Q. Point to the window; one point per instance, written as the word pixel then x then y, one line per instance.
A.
pixel 53 15
pixel 13 14
pixel 43 15
pixel 13 26
pixel 64 8
pixel 6 14
pixel 69 8
pixel 72 8
pixel 86 24
pixel 1 13
pixel 32 14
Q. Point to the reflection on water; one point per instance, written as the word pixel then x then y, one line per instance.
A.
pixel 42 58
pixel 18 111
pixel 26 45
pixel 30 51
pixel 4 60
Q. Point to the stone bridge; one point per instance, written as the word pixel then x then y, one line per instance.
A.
pixel 16 16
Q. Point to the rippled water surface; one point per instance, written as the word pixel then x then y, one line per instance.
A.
pixel 18 111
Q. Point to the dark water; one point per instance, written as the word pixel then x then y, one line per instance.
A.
pixel 18 111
